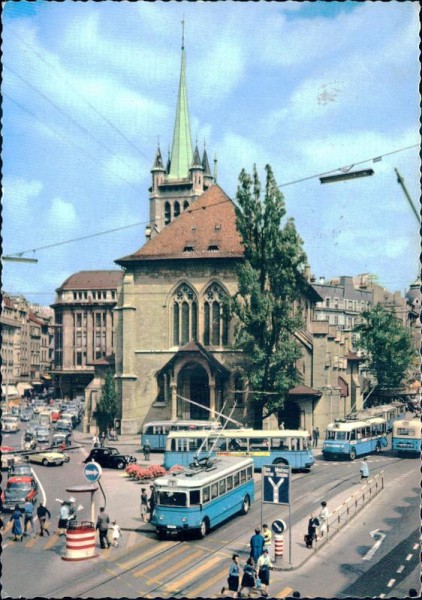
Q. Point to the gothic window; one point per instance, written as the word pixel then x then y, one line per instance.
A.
pixel 176 209
pixel 216 318
pixel 185 315
pixel 167 213
pixel 185 205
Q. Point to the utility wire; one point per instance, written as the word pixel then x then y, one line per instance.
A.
pixel 63 136
pixel 75 91
pixel 61 111
pixel 200 208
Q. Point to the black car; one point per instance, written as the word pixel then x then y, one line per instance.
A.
pixel 110 457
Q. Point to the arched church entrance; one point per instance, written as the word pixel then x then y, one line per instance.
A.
pixel 193 384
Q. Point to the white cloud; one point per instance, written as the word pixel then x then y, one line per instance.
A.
pixel 123 169
pixel 62 215
pixel 19 194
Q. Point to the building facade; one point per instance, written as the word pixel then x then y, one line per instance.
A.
pixel 84 332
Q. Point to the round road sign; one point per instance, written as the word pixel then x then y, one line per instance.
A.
pixel 278 526
pixel 92 472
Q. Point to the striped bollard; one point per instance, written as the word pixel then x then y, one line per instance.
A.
pixel 80 542
pixel 278 545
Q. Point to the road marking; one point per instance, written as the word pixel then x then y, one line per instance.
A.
pixel 52 541
pixel 382 595
pixel 170 570
pixel 121 555
pixel 409 557
pixel 391 583
pixel 131 563
pixel 218 577
pixel 31 542
pixel 287 591
pixel 415 546
pixel 180 583
pixel 400 569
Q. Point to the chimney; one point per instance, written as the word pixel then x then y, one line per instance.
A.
pixel 322 279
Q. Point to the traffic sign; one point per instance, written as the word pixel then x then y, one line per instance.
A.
pixel 276 484
pixel 92 472
pixel 278 526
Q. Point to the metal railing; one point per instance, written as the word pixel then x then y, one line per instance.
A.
pixel 341 516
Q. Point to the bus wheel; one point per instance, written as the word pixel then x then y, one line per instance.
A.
pixel 280 461
pixel 203 530
pixel 352 454
pixel 161 534
pixel 246 504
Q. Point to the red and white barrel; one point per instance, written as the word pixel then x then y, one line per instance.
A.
pixel 80 543
pixel 278 544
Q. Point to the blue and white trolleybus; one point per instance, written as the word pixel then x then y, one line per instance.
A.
pixel 406 438
pixel 198 499
pixel 351 438
pixel 156 432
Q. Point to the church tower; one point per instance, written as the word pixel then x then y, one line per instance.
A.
pixel 185 176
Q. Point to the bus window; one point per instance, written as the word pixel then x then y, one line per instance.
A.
pixel 331 435
pixel 172 498
pixel 242 476
pixel 229 483
pixel 234 445
pixel 206 494
pixel 222 487
pixel 353 434
pixel 368 431
pixel 194 497
pixel 341 435
pixel 236 479
pixel 249 474
pixel 149 430
pixel 214 491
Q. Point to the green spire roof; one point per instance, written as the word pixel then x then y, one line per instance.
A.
pixel 181 154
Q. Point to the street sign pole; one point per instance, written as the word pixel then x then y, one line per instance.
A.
pixel 290 535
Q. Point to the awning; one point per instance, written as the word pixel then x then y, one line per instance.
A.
pixel 46 376
pixel 36 382
pixel 22 387
pixel 10 390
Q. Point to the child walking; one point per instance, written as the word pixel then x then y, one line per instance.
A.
pixel 116 533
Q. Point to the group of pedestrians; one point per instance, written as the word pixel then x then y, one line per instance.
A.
pixel 256 571
pixel 147 504
pixel 28 519
pixel 103 525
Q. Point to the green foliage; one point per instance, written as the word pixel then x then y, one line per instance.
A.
pixel 106 410
pixel 269 282
pixel 387 345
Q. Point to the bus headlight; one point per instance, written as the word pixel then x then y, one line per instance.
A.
pixel 184 519
pixel 161 518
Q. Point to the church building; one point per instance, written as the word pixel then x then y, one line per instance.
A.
pixel 174 341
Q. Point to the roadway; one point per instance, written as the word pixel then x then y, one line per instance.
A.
pixel 352 564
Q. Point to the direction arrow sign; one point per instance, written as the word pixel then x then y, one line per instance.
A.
pixel 92 472
pixel 276 484
pixel 278 526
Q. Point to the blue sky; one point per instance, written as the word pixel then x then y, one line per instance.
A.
pixel 307 87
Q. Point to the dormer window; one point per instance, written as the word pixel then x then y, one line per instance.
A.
pixel 188 249
pixel 213 248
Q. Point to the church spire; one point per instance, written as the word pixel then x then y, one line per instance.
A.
pixel 181 154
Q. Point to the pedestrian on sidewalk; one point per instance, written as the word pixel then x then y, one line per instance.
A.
pixel 42 513
pixel 102 439
pixel 364 470
pixel 151 501
pixel 323 519
pixel 257 545
pixel 144 505
pixel 248 577
pixel 28 517
pixel 103 521
pixel 315 437
pixel 233 578
pixel 268 536
pixel 264 565
pixel 95 441
pixel 313 525
pixel 64 517
pixel 116 533
pixel 146 450
pixel 17 523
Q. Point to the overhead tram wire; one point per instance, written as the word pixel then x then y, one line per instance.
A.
pixel 64 137
pixel 190 210
pixel 60 110
pixel 75 91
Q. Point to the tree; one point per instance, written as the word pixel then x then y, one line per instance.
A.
pixel 387 344
pixel 106 410
pixel 269 285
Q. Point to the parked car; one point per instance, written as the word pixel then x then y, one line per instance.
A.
pixel 10 424
pixel 110 457
pixel 18 491
pixel 49 457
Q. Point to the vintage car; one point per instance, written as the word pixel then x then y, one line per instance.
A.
pixel 110 457
pixel 29 441
pixel 10 423
pixel 8 457
pixel 48 458
pixel 18 491
pixel 19 470
pixel 61 440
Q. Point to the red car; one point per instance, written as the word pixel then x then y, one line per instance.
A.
pixel 19 490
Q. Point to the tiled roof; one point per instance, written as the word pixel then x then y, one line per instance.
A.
pixel 93 280
pixel 206 230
